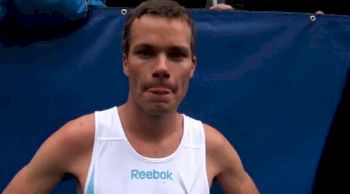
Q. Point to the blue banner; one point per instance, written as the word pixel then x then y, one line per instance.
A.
pixel 269 81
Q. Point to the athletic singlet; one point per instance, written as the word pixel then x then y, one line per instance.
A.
pixel 116 167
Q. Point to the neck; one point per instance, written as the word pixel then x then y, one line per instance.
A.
pixel 149 127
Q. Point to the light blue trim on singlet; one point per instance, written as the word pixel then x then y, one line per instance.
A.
pixel 90 189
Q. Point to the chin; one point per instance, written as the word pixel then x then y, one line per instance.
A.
pixel 159 110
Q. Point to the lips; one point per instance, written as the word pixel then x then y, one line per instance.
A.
pixel 159 90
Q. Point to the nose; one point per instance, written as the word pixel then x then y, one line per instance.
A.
pixel 161 69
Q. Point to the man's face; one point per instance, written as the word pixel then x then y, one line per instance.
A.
pixel 159 63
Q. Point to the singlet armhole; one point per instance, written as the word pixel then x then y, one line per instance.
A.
pixel 205 158
pixel 89 182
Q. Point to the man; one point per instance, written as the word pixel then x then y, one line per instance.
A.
pixel 144 145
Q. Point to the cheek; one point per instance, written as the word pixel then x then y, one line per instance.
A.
pixel 134 81
pixel 136 78
pixel 185 79
pixel 187 75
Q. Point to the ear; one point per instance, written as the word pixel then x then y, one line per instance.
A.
pixel 194 64
pixel 125 64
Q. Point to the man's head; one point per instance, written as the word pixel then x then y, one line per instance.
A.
pixel 163 8
pixel 158 56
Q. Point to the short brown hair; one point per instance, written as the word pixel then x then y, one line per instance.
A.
pixel 163 8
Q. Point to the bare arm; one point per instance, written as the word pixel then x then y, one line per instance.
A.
pixel 224 164
pixel 58 155
pixel 221 6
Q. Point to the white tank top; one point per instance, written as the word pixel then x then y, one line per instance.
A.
pixel 116 167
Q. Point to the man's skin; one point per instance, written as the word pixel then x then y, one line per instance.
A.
pixel 159 65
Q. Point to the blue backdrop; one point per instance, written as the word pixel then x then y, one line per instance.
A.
pixel 270 81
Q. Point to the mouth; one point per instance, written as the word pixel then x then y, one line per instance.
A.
pixel 159 90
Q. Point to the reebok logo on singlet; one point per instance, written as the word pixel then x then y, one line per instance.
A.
pixel 152 174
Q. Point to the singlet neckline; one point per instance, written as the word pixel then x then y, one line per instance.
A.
pixel 140 157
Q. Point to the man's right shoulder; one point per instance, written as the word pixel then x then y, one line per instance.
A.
pixel 73 142
pixel 78 129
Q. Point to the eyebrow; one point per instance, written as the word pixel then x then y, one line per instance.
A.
pixel 143 46
pixel 179 49
pixel 169 48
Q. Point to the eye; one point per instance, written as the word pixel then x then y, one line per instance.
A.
pixel 177 55
pixel 145 53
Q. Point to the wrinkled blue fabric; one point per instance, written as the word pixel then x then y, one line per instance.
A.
pixel 96 3
pixel 36 14
pixel 3 10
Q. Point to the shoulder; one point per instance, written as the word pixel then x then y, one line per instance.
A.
pixel 76 138
pixel 215 140
pixel 78 128
pixel 76 134
pixel 69 144
pixel 221 155
pixel 225 165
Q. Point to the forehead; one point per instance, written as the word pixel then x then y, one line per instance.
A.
pixel 156 30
